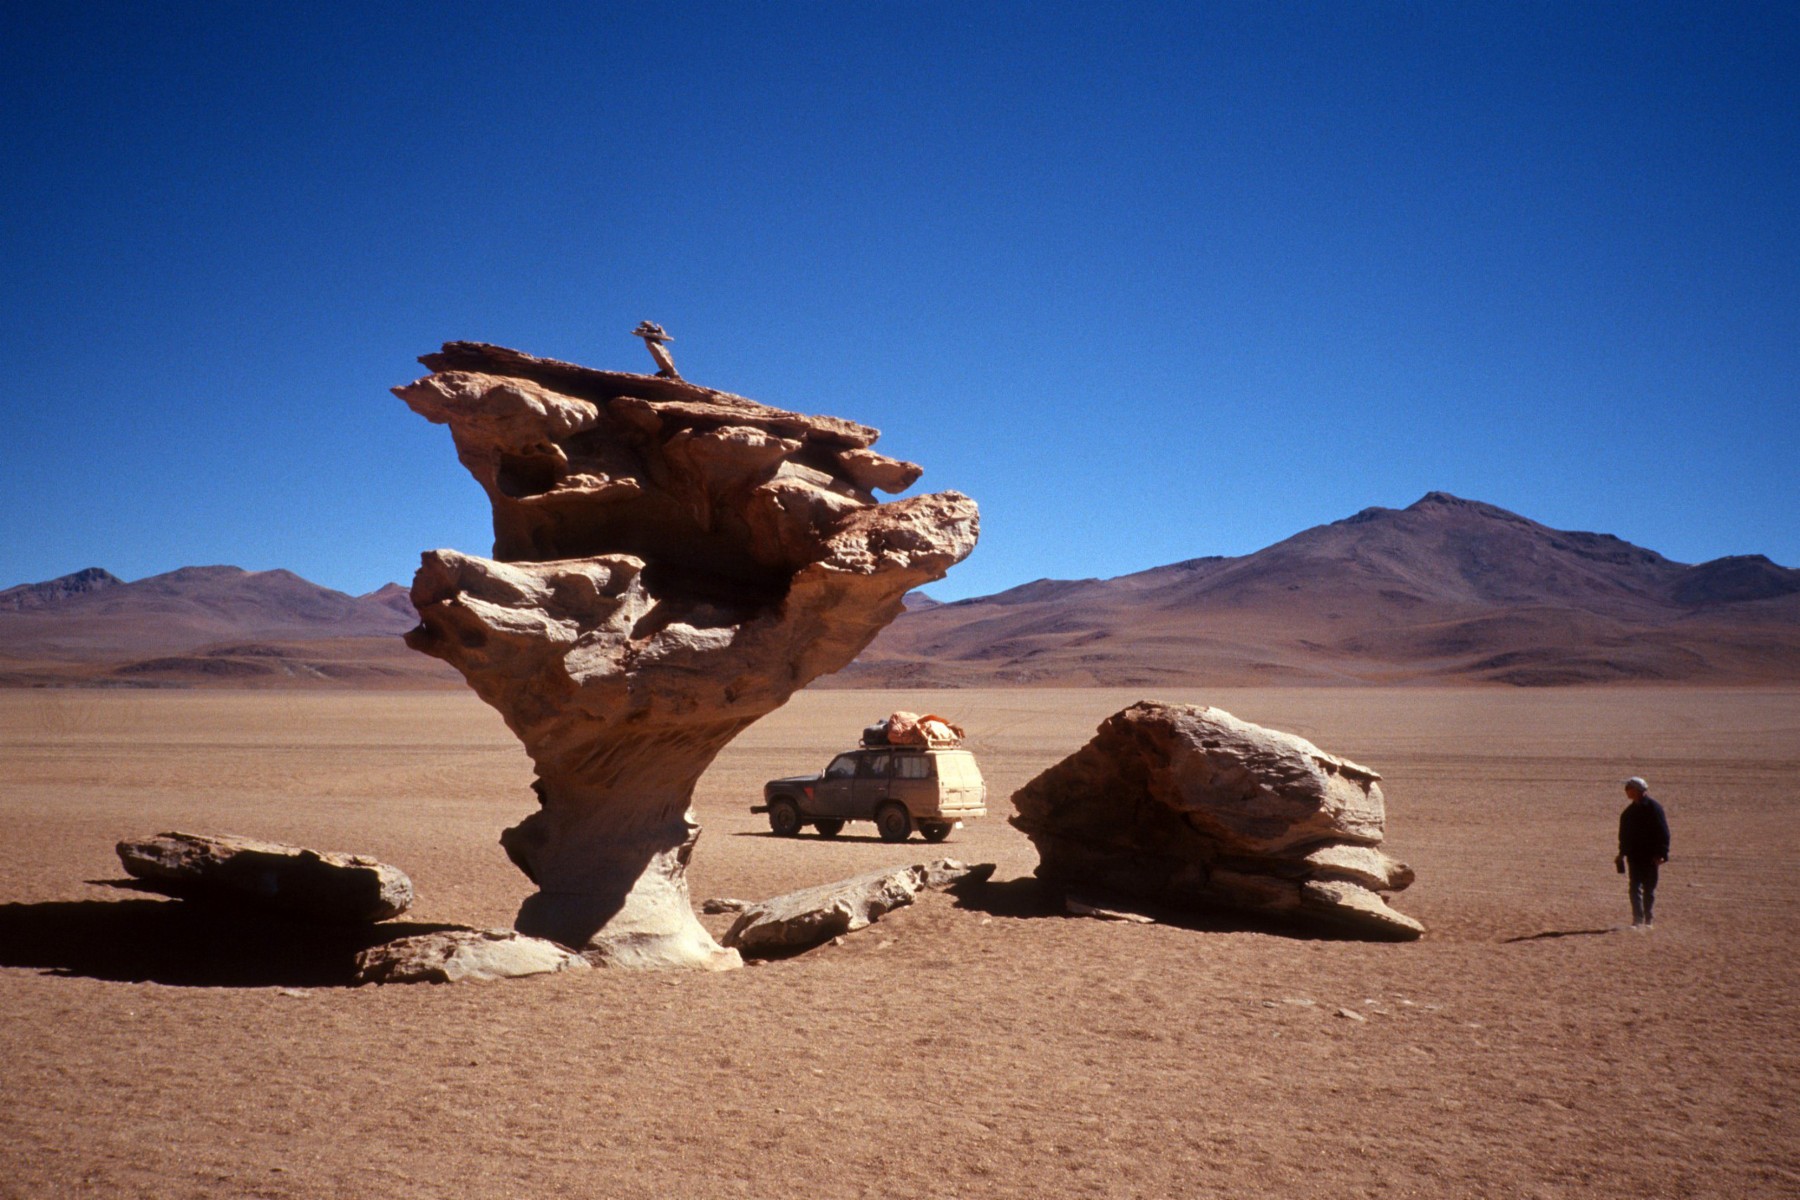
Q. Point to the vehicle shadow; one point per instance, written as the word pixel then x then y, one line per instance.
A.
pixel 857 839
pixel 186 944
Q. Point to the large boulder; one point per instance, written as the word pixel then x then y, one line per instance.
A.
pixel 800 920
pixel 1190 807
pixel 288 879
pixel 670 563
pixel 458 955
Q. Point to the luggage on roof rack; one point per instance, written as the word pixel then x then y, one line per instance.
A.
pixel 911 729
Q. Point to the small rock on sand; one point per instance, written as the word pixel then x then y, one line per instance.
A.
pixel 456 955
pixel 803 919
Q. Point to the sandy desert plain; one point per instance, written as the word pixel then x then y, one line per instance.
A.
pixel 976 1046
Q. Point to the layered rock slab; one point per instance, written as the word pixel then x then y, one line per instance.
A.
pixel 812 916
pixel 1188 806
pixel 294 880
pixel 670 564
pixel 464 955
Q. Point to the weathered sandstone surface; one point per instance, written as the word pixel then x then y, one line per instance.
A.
pixel 459 955
pixel 670 564
pixel 800 920
pixel 288 879
pixel 1190 807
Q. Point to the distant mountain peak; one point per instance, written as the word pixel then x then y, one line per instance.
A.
pixel 1433 503
pixel 187 574
pixel 51 592
pixel 1736 578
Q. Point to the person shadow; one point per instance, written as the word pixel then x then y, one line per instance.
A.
pixel 1560 933
pixel 185 943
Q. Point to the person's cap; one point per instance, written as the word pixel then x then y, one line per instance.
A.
pixel 1637 781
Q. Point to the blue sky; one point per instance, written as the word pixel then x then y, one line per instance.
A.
pixel 1149 283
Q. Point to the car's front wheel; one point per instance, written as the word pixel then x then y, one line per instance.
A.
pixel 934 831
pixel 784 817
pixel 893 822
pixel 829 828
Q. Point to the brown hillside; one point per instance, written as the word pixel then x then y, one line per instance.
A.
pixel 207 626
pixel 1447 589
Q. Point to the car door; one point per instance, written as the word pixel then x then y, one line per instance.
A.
pixel 871 786
pixel 832 795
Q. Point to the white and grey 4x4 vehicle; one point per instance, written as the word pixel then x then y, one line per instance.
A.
pixel 900 788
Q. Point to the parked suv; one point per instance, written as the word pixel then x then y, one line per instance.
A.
pixel 901 788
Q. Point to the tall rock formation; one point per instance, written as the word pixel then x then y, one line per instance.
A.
pixel 1190 807
pixel 670 563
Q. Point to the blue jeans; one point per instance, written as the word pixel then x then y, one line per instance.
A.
pixel 1642 873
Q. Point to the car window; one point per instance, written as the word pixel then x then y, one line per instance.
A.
pixel 874 766
pixel 958 768
pixel 842 767
pixel 912 766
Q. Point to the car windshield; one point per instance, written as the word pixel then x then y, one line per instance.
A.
pixel 842 767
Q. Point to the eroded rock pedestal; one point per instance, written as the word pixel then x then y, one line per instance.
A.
pixel 670 563
pixel 1190 807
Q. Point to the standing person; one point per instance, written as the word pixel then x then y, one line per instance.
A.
pixel 1643 847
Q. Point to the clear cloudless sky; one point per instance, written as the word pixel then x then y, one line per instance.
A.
pixel 1149 282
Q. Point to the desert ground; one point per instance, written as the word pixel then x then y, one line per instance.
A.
pixel 982 1045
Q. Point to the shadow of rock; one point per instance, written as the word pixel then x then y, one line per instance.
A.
pixel 182 944
pixel 1023 898
pixel 1029 897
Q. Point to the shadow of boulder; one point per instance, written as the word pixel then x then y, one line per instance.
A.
pixel 184 944
pixel 1029 897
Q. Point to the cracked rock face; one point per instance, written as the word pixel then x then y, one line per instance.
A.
pixel 670 563
pixel 1190 807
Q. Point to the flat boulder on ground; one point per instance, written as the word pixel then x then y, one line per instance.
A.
pixel 459 955
pixel 804 919
pixel 1189 807
pixel 288 879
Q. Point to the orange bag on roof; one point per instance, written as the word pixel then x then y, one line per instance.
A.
pixel 938 729
pixel 911 729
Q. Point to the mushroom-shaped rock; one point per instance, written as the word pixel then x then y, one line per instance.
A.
pixel 670 564
pixel 1190 807
pixel 322 885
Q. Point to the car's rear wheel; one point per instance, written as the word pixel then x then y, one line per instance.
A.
pixel 784 817
pixel 829 828
pixel 893 822
pixel 935 831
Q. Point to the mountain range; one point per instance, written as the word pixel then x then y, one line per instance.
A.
pixel 1444 591
pixel 208 625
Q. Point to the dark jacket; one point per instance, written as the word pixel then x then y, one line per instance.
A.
pixel 1643 830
